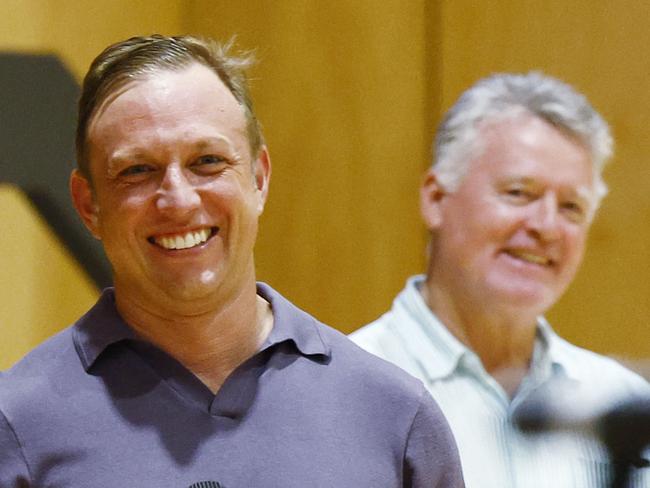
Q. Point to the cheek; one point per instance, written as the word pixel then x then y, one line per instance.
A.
pixel 485 225
pixel 118 214
pixel 576 246
pixel 230 197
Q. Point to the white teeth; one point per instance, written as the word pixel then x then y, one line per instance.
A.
pixel 184 241
pixel 531 258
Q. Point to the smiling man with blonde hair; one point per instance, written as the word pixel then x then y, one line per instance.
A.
pixel 188 373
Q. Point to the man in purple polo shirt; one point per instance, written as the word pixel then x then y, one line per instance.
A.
pixel 189 374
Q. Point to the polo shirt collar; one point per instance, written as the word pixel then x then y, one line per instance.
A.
pixel 555 351
pixel 292 324
pixel 440 353
pixel 427 339
pixel 103 326
pixel 98 328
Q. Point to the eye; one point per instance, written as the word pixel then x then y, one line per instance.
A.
pixel 135 170
pixel 209 164
pixel 574 210
pixel 518 194
pixel 210 159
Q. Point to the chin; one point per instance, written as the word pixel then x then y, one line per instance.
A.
pixel 190 288
pixel 534 299
pixel 532 303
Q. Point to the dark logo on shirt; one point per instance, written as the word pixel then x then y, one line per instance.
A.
pixel 207 484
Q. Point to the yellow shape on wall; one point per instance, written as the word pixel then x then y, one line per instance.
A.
pixel 43 288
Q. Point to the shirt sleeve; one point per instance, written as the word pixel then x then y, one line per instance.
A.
pixel 431 458
pixel 13 469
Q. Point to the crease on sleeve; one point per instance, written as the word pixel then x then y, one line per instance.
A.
pixel 14 470
pixel 431 457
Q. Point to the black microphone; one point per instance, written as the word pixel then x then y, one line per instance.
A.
pixel 623 427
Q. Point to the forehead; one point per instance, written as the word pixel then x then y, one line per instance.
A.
pixel 184 100
pixel 528 146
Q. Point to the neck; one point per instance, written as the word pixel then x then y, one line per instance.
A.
pixel 502 340
pixel 210 343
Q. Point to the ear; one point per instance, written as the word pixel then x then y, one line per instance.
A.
pixel 431 195
pixel 262 175
pixel 84 202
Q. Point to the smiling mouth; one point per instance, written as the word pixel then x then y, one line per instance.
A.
pixel 529 257
pixel 185 240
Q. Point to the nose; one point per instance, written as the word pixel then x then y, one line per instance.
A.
pixel 176 196
pixel 544 219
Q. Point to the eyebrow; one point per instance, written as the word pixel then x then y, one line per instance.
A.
pixel 141 152
pixel 126 156
pixel 582 192
pixel 207 142
pixel 138 154
pixel 526 180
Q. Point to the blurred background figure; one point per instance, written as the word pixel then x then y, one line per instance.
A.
pixel 509 200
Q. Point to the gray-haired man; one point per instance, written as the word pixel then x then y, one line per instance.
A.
pixel 508 203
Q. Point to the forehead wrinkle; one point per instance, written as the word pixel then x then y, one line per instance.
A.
pixel 156 108
pixel 206 142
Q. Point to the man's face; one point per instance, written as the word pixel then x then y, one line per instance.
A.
pixel 513 233
pixel 176 194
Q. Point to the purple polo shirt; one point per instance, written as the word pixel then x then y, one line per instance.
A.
pixel 96 407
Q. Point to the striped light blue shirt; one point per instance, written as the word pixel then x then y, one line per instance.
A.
pixel 494 453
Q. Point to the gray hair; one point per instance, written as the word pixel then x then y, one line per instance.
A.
pixel 504 95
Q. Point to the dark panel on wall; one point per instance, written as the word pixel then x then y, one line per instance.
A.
pixel 37 123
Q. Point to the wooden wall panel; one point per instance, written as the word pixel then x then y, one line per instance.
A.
pixel 44 289
pixel 78 31
pixel 342 93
